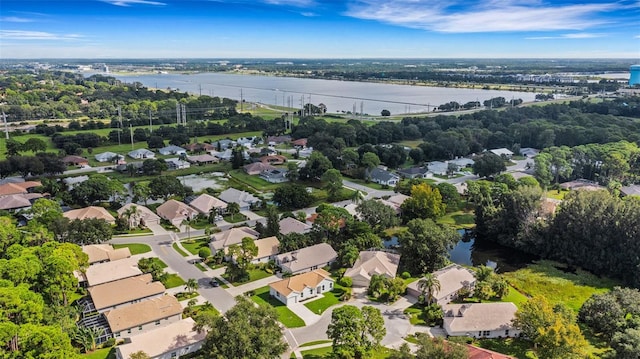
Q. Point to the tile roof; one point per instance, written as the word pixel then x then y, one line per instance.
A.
pixel 163 340
pixel 232 236
pixel 110 271
pixel 15 201
pixel 292 225
pixel 124 290
pixel 374 262
pixel 451 278
pixel 316 255
pixel 90 212
pixel 297 283
pixel 143 312
pixel 473 317
pixel 17 187
pixel 267 247
pixel 105 252
pixel 175 210
pixel 143 212
pixel 204 203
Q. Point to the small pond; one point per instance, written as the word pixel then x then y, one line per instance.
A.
pixel 199 182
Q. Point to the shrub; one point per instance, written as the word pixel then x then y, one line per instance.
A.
pixel 110 342
pixel 405 275
pixel 345 282
pixel 204 253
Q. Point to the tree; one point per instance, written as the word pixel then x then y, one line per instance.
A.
pixel 233 208
pixel 34 145
pixel 245 331
pixel 292 196
pixel 273 222
pixel 88 231
pixel 165 186
pixel 377 214
pixel 152 266
pixel 425 246
pixel 152 166
pixel 237 157
pixel 139 354
pixel 155 142
pixel 141 192
pixel 243 254
pixel 97 188
pixel 428 285
pixel 626 344
pixel 333 180
pixel 191 285
pixel 425 202
pixel 369 161
pixel 607 313
pixel 385 113
pixel 355 332
pixel 429 348
pixel 488 164
pixel 45 211
pixel 293 172
pixel 204 253
pixel 317 165
pixel 131 215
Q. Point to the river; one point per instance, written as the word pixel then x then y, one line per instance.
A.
pixel 338 96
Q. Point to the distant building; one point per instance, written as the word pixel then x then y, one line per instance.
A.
pixel 141 153
pixel 384 177
pixel 502 152
pixel 90 212
pixel 172 150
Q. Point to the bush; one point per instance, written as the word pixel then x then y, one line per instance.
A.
pixel 345 282
pixel 110 342
pixel 405 275
pixel 204 253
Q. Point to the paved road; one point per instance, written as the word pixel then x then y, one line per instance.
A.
pixel 161 245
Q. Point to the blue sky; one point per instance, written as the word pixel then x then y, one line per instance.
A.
pixel 319 29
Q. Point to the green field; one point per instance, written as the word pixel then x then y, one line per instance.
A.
pixel 254 182
pixel 254 275
pixel 285 315
pixel 458 219
pixel 134 248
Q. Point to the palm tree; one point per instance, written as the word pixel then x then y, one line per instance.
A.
pixel 187 224
pixel 234 209
pixel 191 285
pixel 131 212
pixel 357 197
pixel 429 284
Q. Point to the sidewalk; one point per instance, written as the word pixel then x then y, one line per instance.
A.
pixel 304 313
pixel 241 289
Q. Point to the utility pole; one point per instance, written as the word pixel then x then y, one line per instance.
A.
pixel 131 133
pixel 200 87
pixel 6 127
pixel 241 101
pixel 177 114
pixel 119 123
pixel 150 124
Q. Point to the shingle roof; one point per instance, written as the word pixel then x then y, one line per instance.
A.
pixel 267 247
pixel 143 312
pixel 292 225
pixel 111 271
pixel 14 201
pixel 17 187
pixel 232 236
pixel 382 175
pixel 163 340
pixel 124 290
pixel 204 203
pixel 143 212
pixel 90 212
pixel 257 167
pixel 297 283
pixel 172 210
pixel 479 316
pixel 374 262
pixel 240 197
pixel 451 279
pixel 413 171
pixel 316 255
pixel 105 252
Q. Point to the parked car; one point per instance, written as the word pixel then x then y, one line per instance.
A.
pixel 214 283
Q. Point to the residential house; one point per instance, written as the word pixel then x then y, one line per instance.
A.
pixel 302 286
pixel 75 161
pixel 176 163
pixel 229 237
pixel 143 316
pixel 72 182
pixel 204 159
pixel 582 184
pixel 108 157
pixel 246 141
pixel 199 147
pixel 452 278
pixel 277 140
pixel 275 176
pixel 371 263
pixel 395 201
pixel 299 143
pixel 142 216
pixel 273 159
pixel 141 153
pixel 307 259
pixel 10 188
pixel 502 152
pixel 305 152
pixel 227 154
pixel 462 162
pixel 268 248
pixel 102 253
pixel 529 152
pixel 414 172
pixel 223 144
pixel 480 320
pixel 632 190
pixel 169 342
pixel 384 177
pixel 16 202
pixel 204 203
pixel 256 168
pixel 90 212
pixel 438 168
pixel 136 167
pixel 244 199
pixel 172 150
pixel 112 295
pixel 176 212
pixel 292 225
pixel 110 271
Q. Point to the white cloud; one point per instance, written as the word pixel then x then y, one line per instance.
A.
pixel 36 35
pixel 134 2
pixel 14 19
pixel 494 16
pixel 582 35
pixel 297 3
pixel 308 14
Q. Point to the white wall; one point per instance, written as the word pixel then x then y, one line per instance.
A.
pixel 147 327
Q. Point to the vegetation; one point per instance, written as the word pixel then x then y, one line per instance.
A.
pixel 355 332
pixel 285 316
pixel 331 298
pixel 134 248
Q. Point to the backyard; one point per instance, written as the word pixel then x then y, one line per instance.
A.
pixel 288 318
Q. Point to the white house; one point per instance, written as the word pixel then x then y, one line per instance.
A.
pixel 438 168
pixel 108 157
pixel 141 153
pixel 169 342
pixel 503 152
pixel 176 164
pixel 480 320
pixel 244 199
pixel 302 286
pixel 452 278
pixel 172 150
pixel 307 258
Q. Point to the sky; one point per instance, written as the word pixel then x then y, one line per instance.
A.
pixel 319 29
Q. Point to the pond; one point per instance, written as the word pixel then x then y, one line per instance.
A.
pixel 201 181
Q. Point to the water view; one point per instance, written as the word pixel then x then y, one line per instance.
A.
pixel 503 259
pixel 338 96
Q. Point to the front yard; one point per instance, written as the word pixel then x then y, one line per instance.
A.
pixel 134 248
pixel 318 306
pixel 254 274
pixel 288 318
pixel 194 245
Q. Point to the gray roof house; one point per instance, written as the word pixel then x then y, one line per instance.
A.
pixel 480 320
pixel 438 168
pixel 413 172
pixel 141 153
pixel 452 278
pixel 244 199
pixel 172 150
pixel 108 157
pixel 529 152
pixel 307 259
pixel 633 190
pixel 222 144
pixel 274 176
pixel 463 162
pixel 502 152
pixel 292 225
pixel 384 177
pixel 176 163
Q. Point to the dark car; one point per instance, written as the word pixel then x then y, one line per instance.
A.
pixel 214 283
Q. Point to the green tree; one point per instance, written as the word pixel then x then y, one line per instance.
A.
pixel 88 231
pixel 488 164
pixel 425 246
pixel 164 187
pixel 626 344
pixel 191 285
pixel 155 268
pixel 429 348
pixel 141 192
pixel 45 211
pixel 245 331
pixel 204 253
pixel 429 284
pixel 292 196
pixel 98 188
pixel 244 253
pixel 355 332
pixel 233 208
pixel 34 145
pixel 425 202
pixel 139 355
pixel 317 165
pixel 333 180
pixel 377 214
pixel 273 222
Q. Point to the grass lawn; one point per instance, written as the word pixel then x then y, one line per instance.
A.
pixel 555 194
pixel 372 185
pixel 548 279
pixel 105 353
pixel 235 218
pixel 185 295
pixel 315 342
pixel 414 312
pixel 173 280
pixel 327 352
pixel 159 261
pixel 512 346
pixel 134 248
pixel 179 250
pixel 458 219
pixel 285 315
pixel 201 267
pixel 194 245
pixel 514 297
pixel 254 274
pixel 328 299
pixel 255 182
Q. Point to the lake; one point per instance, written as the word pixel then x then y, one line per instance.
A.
pixel 338 96
pixel 503 259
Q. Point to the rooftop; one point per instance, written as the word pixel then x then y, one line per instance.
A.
pixel 105 252
pixel 292 225
pixel 232 236
pixel 124 290
pixel 297 283
pixel 90 212
pixel 479 316
pixel 143 312
pixel 110 271
pixel 163 340
pixel 316 255
pixel 267 247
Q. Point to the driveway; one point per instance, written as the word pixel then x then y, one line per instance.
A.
pixel 241 289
